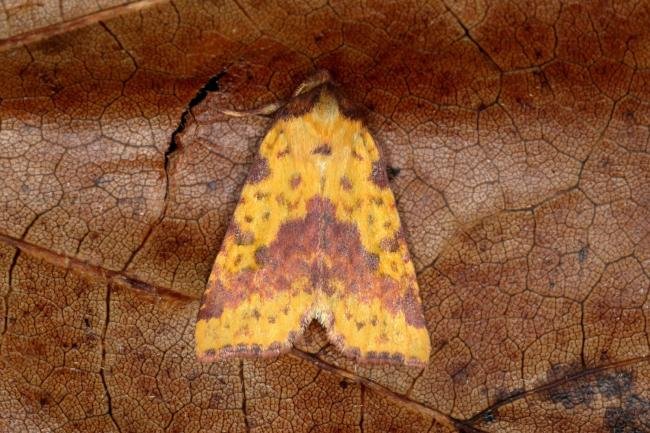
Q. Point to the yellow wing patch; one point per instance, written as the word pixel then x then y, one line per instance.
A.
pixel 315 235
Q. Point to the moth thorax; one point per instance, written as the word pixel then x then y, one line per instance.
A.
pixel 327 108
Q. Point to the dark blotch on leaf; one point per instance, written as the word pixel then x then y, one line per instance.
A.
pixel 392 172
pixel 583 253
pixel 616 384
pixel 572 395
pixel 488 416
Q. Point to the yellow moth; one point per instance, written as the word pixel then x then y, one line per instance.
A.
pixel 315 235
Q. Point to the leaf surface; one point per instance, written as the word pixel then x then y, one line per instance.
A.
pixel 517 139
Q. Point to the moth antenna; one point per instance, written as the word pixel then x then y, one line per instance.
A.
pixel 318 78
pixel 266 110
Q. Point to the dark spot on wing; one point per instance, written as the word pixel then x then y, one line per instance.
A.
pixel 346 183
pixel 323 149
pixel 378 175
pixel 389 244
pixel 243 237
pixel 295 181
pixel 261 255
pixel 259 170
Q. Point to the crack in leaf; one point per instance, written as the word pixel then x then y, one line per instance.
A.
pixel 10 282
pixel 102 370
pixel 243 391
pixel 212 85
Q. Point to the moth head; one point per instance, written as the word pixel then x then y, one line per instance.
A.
pixel 318 78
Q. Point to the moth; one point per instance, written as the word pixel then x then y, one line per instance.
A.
pixel 315 235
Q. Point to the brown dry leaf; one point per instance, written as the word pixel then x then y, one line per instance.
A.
pixel 518 137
